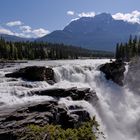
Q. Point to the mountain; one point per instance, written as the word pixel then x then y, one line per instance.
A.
pixel 14 38
pixel 101 32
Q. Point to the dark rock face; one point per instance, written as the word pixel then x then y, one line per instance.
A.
pixel 49 112
pixel 114 71
pixel 57 93
pixel 34 73
pixel 7 136
pixel 74 93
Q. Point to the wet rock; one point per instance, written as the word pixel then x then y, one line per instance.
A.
pixel 56 92
pixel 1 103
pixel 82 114
pixel 48 112
pixel 12 80
pixel 74 93
pixel 7 135
pixel 27 85
pixel 73 107
pixel 114 71
pixel 34 73
pixel 91 97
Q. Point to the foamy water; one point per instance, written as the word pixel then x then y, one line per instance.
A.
pixel 117 110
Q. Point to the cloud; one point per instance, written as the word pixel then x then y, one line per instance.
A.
pixel 87 14
pixel 23 35
pixel 5 31
pixel 40 32
pixel 25 29
pixel 9 32
pixel 14 23
pixel 84 14
pixel 71 13
pixel 22 30
pixel 133 17
pixel 25 32
pixel 28 32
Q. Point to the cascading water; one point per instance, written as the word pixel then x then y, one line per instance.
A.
pixel 117 109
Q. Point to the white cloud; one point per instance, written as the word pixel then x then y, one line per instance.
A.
pixel 40 32
pixel 14 23
pixel 29 33
pixel 23 30
pixel 9 32
pixel 26 29
pixel 5 31
pixel 83 14
pixel 71 13
pixel 133 17
pixel 23 35
pixel 87 14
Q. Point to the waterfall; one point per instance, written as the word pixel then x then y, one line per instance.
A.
pixel 117 109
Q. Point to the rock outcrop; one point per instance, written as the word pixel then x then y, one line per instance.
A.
pixel 49 112
pixel 57 93
pixel 114 71
pixel 74 93
pixel 34 73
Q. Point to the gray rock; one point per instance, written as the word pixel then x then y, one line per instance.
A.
pixel 74 93
pixel 114 71
pixel 49 112
pixel 34 73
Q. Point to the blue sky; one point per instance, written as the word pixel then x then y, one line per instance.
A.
pixel 35 18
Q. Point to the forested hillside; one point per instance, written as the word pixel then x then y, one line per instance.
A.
pixel 128 50
pixel 39 50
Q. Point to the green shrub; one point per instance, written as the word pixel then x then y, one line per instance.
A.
pixel 55 132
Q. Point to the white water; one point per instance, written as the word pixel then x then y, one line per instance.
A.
pixel 118 109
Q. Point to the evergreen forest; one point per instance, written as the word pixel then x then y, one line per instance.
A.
pixel 42 50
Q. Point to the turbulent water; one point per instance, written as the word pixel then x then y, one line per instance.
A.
pixel 118 108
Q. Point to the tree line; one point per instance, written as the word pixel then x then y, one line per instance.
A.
pixel 126 51
pixel 42 50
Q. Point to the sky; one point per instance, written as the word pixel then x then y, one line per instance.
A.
pixel 36 18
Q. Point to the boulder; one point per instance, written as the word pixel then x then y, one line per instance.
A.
pixel 74 93
pixel 114 71
pixel 34 73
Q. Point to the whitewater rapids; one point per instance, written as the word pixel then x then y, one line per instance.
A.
pixel 118 108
